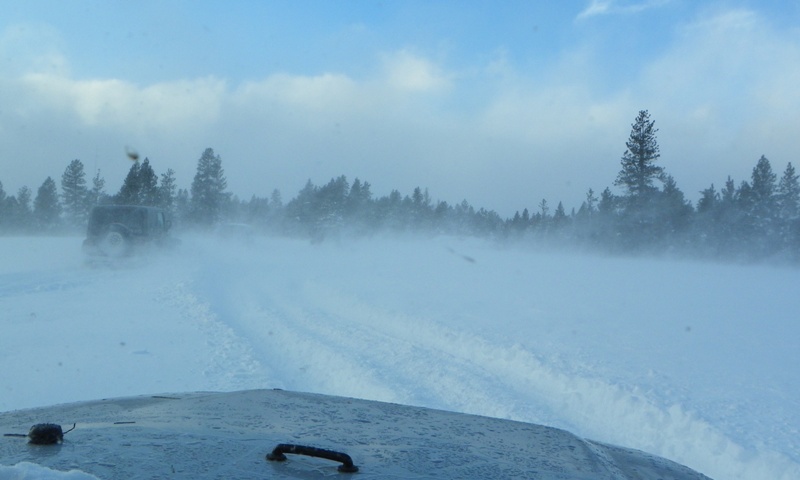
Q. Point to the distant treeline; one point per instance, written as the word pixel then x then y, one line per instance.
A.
pixel 756 219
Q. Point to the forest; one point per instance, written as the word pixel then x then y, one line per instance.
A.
pixel 756 220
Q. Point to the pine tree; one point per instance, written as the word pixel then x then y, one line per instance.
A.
pixel 638 168
pixel 4 214
pixel 789 194
pixel 331 203
pixel 302 209
pixel 708 200
pixel 167 191
pixel 74 194
pixel 148 185
pixel 673 210
pixel 608 202
pixel 728 193
pixel 560 215
pixel 763 190
pixel 130 190
pixel 97 194
pixel 46 207
pixel 25 210
pixel 544 209
pixel 182 205
pixel 591 202
pixel 360 204
pixel 276 199
pixel 788 199
pixel 208 189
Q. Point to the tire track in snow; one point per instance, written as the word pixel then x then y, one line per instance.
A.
pixel 313 341
pixel 26 283
pixel 466 373
pixel 313 337
pixel 232 364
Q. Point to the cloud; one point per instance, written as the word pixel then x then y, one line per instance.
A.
pixel 595 7
pixel 614 7
pixel 722 87
pixel 406 71
pixel 122 105
pixel 328 91
pixel 732 65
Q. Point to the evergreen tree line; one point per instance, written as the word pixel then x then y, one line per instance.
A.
pixel 758 218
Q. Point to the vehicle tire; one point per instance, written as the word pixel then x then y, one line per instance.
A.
pixel 114 244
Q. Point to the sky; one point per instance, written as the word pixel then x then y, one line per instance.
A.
pixel 499 103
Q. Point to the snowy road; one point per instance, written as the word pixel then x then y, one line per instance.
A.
pixel 694 362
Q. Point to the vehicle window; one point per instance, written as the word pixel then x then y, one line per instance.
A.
pixel 583 214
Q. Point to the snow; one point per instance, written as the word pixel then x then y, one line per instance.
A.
pixel 691 361
pixel 31 471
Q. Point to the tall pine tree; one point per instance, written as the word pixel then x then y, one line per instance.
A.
pixel 25 210
pixel 789 194
pixel 5 216
pixel 97 194
pixel 763 190
pixel 74 194
pixel 639 170
pixel 167 191
pixel 208 190
pixel 148 185
pixel 129 193
pixel 140 186
pixel 46 207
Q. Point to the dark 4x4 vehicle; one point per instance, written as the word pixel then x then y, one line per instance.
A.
pixel 117 230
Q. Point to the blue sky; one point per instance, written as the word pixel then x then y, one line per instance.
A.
pixel 501 103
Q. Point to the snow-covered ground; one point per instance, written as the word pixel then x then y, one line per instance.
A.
pixel 696 362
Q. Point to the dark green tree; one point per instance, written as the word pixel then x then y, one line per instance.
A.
pixel 97 194
pixel 140 186
pixel 331 203
pixel 763 190
pixel 74 194
pixel 639 170
pixel 46 207
pixel 25 212
pixel 673 211
pixel 167 191
pixel 709 199
pixel 276 200
pixel 129 193
pixel 148 185
pixel 360 204
pixel 209 198
pixel 728 193
pixel 761 228
pixel 788 199
pixel 560 218
pixel 544 209
pixel 591 202
pixel 182 205
pixel 257 210
pixel 421 208
pixel 788 195
pixel 4 214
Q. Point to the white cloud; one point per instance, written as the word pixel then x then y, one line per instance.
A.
pixel 723 92
pixel 319 92
pixel 406 71
pixel 731 65
pixel 595 7
pixel 119 104
pixel 615 7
